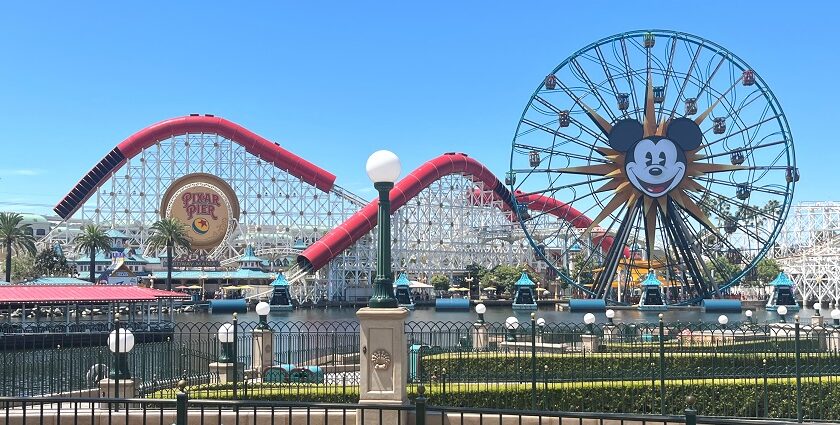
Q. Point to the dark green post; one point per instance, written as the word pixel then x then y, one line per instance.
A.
pixel 235 359
pixel 797 349
pixel 533 361
pixel 420 406
pixel 661 364
pixel 690 413
pixel 181 403
pixel 766 397
pixel 383 285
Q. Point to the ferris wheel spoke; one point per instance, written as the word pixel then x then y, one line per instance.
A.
pixel 774 117
pixel 593 89
pixel 746 149
pixel 735 185
pixel 711 77
pixel 629 76
pixel 563 187
pixel 685 81
pixel 582 127
pixel 553 152
pixel 555 133
pixel 616 250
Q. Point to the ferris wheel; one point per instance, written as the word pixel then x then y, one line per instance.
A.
pixel 665 152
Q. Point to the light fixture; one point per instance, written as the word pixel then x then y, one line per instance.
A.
pixel 512 324
pixel 120 342
pixel 226 338
pixel 723 320
pixel 817 309
pixel 749 314
pixel 262 310
pixel 383 168
pixel 589 319
pixel 782 310
pixel 480 309
pixel 610 315
pixel 541 325
pixel 835 314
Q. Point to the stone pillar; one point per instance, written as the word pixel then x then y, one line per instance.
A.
pixel 111 388
pixel 591 343
pixel 833 340
pixel 263 350
pixel 222 373
pixel 817 321
pixel 382 364
pixel 479 336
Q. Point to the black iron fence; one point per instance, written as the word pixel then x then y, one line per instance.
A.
pixel 744 370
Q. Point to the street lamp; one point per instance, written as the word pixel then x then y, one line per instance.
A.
pixel 749 314
pixel 512 324
pixel 262 310
pixel 120 342
pixel 541 326
pixel 817 309
pixel 480 308
pixel 782 310
pixel 383 168
pixel 610 315
pixel 835 314
pixel 723 320
pixel 589 319
pixel 225 335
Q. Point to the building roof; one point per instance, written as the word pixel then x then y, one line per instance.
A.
pixel 58 280
pixel 249 255
pixel 280 281
pixel 100 258
pixel 64 294
pixel 32 218
pixel 524 280
pixel 651 280
pixel 781 280
pixel 216 275
pixel 402 280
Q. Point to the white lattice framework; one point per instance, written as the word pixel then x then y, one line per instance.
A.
pixel 451 224
pixel 809 250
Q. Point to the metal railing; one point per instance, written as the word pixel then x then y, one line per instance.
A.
pixel 744 370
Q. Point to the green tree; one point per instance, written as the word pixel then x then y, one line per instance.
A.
pixel 169 233
pixel 93 238
pixel 504 276
pixel 23 267
pixel 583 270
pixel 48 262
pixel 16 237
pixel 440 282
pixel 722 268
pixel 767 269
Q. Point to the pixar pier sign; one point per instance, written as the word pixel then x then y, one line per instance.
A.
pixel 205 204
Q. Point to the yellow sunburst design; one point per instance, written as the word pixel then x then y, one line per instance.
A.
pixel 626 195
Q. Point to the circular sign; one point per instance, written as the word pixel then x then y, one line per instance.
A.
pixel 205 204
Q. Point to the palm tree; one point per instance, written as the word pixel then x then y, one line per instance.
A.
pixel 169 233
pixel 92 239
pixel 15 237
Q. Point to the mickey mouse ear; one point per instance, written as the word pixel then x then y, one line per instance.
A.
pixel 685 133
pixel 625 133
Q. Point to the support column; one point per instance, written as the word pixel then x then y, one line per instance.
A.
pixel 263 350
pixel 113 388
pixel 479 336
pixel 382 364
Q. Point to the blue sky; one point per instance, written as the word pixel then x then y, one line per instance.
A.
pixel 334 82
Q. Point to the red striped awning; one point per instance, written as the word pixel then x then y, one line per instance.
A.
pixel 64 294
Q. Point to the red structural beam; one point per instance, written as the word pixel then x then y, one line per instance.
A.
pixel 342 237
pixel 193 124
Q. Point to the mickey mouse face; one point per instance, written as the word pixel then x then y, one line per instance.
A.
pixel 655 164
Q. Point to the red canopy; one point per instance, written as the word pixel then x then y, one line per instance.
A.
pixel 64 294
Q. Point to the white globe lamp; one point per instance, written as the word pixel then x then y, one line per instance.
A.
pixel 480 309
pixel 610 316
pixel 782 310
pixel 226 338
pixel 512 324
pixel 383 168
pixel 120 342
pixel 262 310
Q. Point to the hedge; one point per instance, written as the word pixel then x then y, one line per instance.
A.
pixel 516 366
pixel 733 397
pixel 757 346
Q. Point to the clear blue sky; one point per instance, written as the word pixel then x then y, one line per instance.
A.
pixel 333 82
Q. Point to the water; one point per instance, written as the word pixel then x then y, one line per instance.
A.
pixel 500 313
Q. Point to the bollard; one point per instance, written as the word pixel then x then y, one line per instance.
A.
pixel 690 413
pixel 420 406
pixel 181 403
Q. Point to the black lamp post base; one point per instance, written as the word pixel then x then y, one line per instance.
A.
pixel 383 295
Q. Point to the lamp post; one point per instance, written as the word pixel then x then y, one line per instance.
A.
pixel 723 320
pixel 541 327
pixel 480 309
pixel 120 342
pixel 816 309
pixel 383 168
pixel 511 324
pixel 262 310
pixel 610 316
pixel 835 314
pixel 589 319
pixel 782 310
pixel 749 314
pixel 225 335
